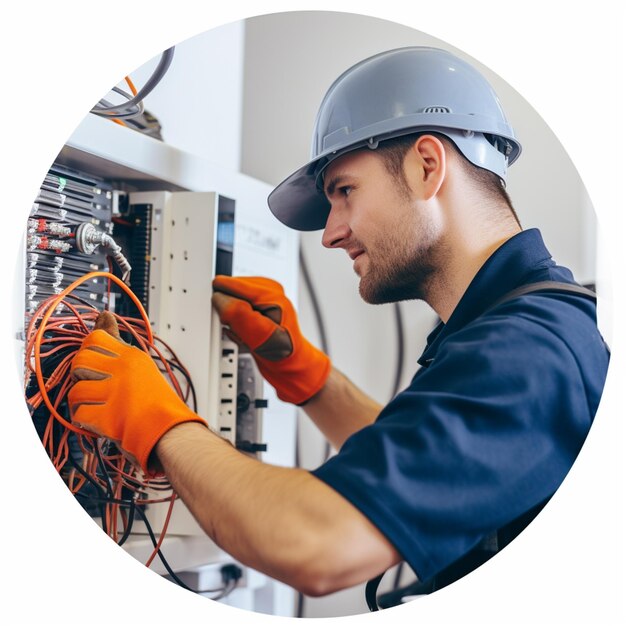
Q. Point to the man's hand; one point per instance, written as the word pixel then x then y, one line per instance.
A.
pixel 120 393
pixel 261 317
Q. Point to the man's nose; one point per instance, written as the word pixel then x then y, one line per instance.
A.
pixel 336 230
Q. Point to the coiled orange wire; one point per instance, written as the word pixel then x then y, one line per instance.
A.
pixel 58 326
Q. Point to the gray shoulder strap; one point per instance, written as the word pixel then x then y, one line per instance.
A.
pixel 544 286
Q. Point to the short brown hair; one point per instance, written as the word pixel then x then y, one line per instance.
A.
pixel 393 152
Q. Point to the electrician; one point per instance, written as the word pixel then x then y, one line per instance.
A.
pixel 410 153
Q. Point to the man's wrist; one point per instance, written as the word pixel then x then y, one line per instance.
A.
pixel 178 435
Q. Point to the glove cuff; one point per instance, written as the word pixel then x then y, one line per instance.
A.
pixel 316 388
pixel 141 446
pixel 298 377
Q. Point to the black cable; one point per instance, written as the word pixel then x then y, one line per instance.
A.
pixel 300 605
pixel 151 83
pixel 398 577
pixel 187 378
pixel 103 517
pixel 150 534
pixel 314 301
pixel 231 575
pixel 106 499
pixel 325 348
pixel 370 592
pixel 222 591
pixel 400 354
pixel 319 319
pixel 154 541
pixel 227 589
pixel 84 474
pixel 161 556
pixel 103 469
pixel 129 524
pixel 372 585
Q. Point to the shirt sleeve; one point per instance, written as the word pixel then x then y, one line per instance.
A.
pixel 485 433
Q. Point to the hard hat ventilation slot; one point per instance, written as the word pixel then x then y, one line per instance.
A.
pixel 437 109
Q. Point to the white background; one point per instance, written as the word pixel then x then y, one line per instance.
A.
pixel 568 567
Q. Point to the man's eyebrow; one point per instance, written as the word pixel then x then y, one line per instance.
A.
pixel 330 187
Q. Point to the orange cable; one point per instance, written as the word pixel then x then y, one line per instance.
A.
pixel 170 508
pixel 42 327
pixel 71 329
pixel 131 85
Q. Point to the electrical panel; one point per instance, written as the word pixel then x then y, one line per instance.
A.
pixel 175 240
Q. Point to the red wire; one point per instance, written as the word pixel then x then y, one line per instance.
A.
pixel 170 508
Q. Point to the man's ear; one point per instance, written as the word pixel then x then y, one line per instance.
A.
pixel 428 164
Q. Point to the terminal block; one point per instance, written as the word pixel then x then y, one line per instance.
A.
pixel 227 419
pixel 249 406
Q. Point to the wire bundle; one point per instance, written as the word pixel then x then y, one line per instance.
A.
pixel 93 468
pixel 131 112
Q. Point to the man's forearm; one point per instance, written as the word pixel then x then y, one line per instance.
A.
pixel 281 521
pixel 340 409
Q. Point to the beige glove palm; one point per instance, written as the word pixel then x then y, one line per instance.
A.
pixel 261 316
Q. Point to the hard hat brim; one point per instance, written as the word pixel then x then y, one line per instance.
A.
pixel 298 203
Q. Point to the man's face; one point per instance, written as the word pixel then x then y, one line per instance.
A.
pixel 392 237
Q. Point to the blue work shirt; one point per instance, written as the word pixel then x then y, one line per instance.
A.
pixel 492 421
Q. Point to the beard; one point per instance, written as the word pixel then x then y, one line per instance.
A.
pixel 396 273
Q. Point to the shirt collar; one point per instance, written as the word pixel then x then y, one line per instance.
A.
pixel 507 268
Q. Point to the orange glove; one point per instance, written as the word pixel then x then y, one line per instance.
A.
pixel 122 395
pixel 262 317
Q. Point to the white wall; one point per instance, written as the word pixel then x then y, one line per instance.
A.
pixel 199 100
pixel 290 60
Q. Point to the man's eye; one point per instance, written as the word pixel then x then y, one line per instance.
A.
pixel 345 190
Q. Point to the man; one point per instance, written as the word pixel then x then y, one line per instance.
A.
pixel 409 159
